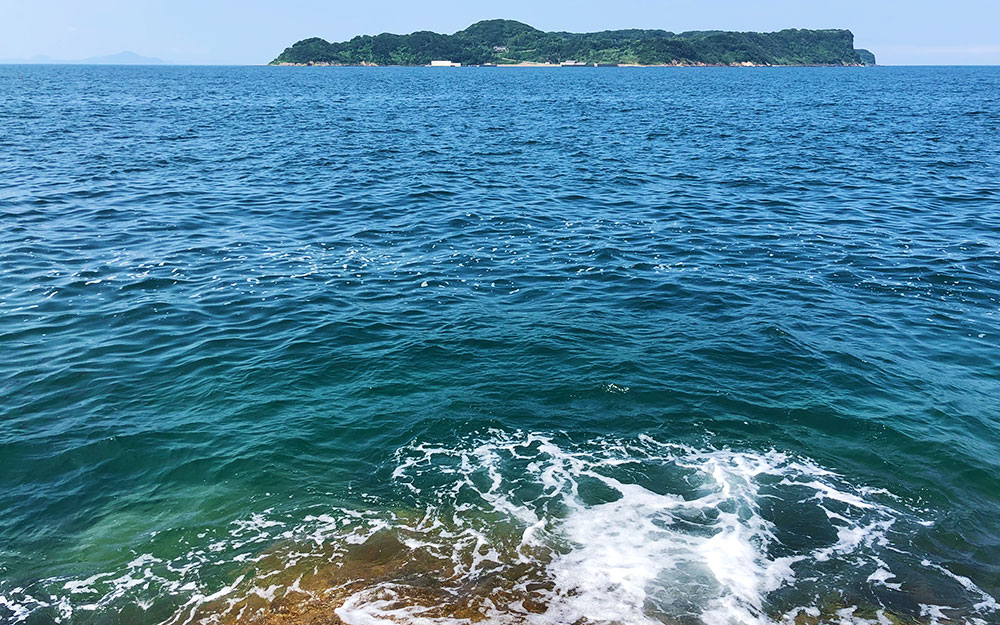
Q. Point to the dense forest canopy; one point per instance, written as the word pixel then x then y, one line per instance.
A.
pixel 511 42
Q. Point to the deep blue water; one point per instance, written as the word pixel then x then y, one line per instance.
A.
pixel 698 346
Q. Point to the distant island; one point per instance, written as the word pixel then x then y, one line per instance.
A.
pixel 508 42
pixel 121 58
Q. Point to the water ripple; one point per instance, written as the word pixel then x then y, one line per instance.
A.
pixel 234 300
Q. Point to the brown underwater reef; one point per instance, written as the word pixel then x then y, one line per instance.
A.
pixel 399 577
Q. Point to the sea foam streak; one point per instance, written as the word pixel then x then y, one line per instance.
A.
pixel 532 528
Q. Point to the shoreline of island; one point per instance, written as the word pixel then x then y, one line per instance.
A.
pixel 587 66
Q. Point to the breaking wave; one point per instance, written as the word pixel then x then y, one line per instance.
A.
pixel 535 528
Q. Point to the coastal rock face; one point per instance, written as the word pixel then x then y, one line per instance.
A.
pixel 866 57
pixel 507 42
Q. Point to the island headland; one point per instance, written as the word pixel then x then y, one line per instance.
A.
pixel 512 43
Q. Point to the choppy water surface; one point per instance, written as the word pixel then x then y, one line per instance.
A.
pixel 673 346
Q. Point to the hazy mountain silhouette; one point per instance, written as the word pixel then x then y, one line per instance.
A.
pixel 121 58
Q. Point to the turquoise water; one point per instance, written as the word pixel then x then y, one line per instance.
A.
pixel 698 346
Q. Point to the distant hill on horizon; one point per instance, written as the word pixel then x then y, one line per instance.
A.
pixel 121 58
pixel 508 42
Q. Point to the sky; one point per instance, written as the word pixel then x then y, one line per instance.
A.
pixel 899 32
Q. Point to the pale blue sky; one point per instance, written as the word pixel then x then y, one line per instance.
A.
pixel 253 32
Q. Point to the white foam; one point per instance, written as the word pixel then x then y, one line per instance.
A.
pixel 935 612
pixel 637 555
pixel 611 543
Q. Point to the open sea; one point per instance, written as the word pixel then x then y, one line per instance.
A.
pixel 394 346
